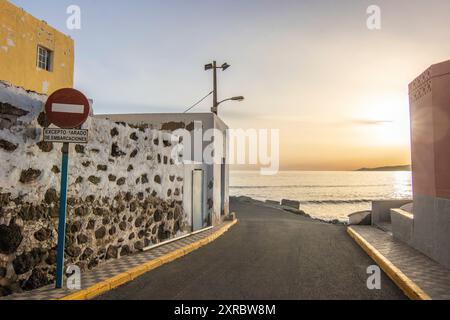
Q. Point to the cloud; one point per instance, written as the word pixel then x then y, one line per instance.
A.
pixel 369 122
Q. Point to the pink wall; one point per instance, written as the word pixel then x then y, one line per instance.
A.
pixel 430 123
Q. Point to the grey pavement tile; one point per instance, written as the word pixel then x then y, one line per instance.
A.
pixel 429 275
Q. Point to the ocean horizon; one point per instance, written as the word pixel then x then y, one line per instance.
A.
pixel 326 195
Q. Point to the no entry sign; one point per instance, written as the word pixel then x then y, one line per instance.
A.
pixel 67 108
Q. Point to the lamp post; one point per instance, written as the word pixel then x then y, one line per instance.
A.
pixel 214 67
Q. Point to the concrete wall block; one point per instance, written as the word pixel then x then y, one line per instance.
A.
pixel 360 218
pixel 291 203
pixel 381 209
pixel 402 225
pixel 432 228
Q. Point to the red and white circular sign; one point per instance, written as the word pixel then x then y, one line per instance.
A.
pixel 67 108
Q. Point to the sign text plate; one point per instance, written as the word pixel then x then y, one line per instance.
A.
pixel 66 135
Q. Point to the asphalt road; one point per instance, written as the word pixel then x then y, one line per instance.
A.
pixel 269 254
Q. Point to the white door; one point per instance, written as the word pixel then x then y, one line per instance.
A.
pixel 197 200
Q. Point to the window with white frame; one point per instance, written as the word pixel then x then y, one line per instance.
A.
pixel 44 58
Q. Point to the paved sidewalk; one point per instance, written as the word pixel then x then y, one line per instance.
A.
pixel 414 270
pixel 117 267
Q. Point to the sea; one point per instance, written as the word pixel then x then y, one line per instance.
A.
pixel 324 195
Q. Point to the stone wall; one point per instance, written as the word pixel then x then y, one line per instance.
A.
pixel 125 193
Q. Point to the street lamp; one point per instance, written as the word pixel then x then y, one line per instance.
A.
pixel 214 67
pixel 239 98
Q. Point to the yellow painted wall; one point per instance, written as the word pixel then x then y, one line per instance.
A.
pixel 20 35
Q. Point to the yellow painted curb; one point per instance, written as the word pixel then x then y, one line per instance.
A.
pixel 119 280
pixel 153 264
pixel 122 278
pixel 80 295
pixel 172 256
pixel 98 289
pixel 409 287
pixel 137 271
pixel 191 248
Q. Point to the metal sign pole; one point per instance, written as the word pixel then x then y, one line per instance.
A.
pixel 66 109
pixel 62 217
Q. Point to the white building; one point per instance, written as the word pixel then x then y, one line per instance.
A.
pixel 205 196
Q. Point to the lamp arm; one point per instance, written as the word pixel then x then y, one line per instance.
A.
pixel 229 99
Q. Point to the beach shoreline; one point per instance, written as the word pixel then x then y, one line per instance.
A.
pixel 324 195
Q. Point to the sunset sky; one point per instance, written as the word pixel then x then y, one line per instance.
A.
pixel 335 89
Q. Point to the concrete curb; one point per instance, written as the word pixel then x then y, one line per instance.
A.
pixel 131 274
pixel 409 287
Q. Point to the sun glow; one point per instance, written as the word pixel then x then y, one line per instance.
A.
pixel 387 119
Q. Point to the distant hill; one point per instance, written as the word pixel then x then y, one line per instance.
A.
pixel 392 168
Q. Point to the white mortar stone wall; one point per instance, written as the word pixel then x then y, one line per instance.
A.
pixel 124 193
